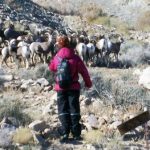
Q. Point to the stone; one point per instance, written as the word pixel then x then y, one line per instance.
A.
pixel 144 78
pixel 6 136
pixel 38 125
pixel 92 121
pixel 6 77
pixel 43 82
pixel 115 124
pixel 38 138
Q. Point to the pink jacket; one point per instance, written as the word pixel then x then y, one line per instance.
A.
pixel 77 66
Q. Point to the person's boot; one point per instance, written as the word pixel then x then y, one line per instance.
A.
pixel 77 138
pixel 64 138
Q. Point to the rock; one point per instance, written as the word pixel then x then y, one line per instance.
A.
pixel 144 78
pixel 54 96
pixel 102 121
pixel 6 120
pixel 88 127
pixel 38 138
pixel 115 124
pixel 47 130
pixel 49 109
pixel 6 136
pixel 48 88
pixel 86 102
pixel 137 72
pixel 90 147
pixel 92 121
pixel 43 82
pixel 38 125
pixel 24 86
pixel 36 89
pixel 6 77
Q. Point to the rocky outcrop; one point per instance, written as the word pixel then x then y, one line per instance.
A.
pixel 28 13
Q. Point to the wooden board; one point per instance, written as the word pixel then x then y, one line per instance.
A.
pixel 134 122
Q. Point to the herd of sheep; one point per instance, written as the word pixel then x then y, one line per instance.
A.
pixel 34 48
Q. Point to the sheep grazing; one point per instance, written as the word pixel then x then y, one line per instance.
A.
pixel 114 47
pixel 41 48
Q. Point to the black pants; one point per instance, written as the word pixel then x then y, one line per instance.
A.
pixel 69 111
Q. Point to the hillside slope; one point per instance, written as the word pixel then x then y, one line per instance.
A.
pixel 127 10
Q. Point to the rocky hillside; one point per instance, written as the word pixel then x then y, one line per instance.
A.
pixel 27 12
pixel 127 10
pixel 28 103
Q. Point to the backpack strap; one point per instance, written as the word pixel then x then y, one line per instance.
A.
pixel 59 58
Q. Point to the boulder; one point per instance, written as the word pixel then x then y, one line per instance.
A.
pixel 92 121
pixel 38 125
pixel 144 78
pixel 6 77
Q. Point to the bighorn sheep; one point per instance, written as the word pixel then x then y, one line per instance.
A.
pixel 101 46
pixel 41 48
pixel 13 50
pixel 10 49
pixel 10 33
pixel 112 48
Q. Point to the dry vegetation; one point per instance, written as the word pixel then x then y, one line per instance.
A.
pixel 11 106
pixel 113 88
pixel 143 22
pixel 23 136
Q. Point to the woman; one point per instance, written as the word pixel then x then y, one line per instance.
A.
pixel 68 98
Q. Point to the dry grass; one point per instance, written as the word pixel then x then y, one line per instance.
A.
pixel 40 71
pixel 143 22
pixel 23 136
pixel 95 137
pixel 90 11
pixel 118 87
pixel 121 26
pixel 104 20
pixel 11 106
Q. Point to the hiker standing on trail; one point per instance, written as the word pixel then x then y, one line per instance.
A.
pixel 68 87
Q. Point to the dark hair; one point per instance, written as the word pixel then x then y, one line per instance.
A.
pixel 63 41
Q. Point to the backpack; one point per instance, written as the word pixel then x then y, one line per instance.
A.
pixel 63 74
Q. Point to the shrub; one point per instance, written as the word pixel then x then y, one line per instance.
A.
pixel 10 107
pixel 23 136
pixel 104 20
pixel 121 26
pixel 95 137
pixel 90 11
pixel 38 72
pixel 143 22
pixel 123 91
pixel 134 53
